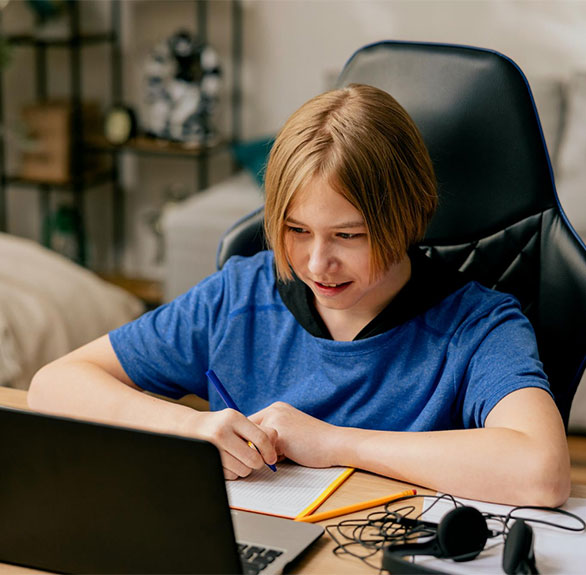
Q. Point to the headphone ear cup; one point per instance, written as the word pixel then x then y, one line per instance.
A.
pixel 518 554
pixel 462 534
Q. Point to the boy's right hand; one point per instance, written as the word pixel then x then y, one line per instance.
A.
pixel 230 432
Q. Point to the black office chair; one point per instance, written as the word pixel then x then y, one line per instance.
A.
pixel 499 217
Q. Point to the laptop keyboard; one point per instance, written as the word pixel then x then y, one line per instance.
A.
pixel 254 558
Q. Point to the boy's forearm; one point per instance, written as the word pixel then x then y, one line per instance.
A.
pixel 84 390
pixel 492 464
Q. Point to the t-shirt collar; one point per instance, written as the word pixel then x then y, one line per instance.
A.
pixel 413 299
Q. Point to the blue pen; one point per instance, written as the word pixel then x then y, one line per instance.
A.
pixel 230 403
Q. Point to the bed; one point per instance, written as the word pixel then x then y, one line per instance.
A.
pixel 50 306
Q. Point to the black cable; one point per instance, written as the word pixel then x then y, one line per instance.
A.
pixel 578 528
pixel 364 538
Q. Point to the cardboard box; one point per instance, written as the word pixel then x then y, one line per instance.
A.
pixel 50 126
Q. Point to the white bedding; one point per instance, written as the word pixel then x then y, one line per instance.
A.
pixel 49 306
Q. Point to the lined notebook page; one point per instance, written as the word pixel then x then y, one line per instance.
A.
pixel 288 492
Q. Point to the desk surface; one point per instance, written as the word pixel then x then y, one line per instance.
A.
pixel 319 558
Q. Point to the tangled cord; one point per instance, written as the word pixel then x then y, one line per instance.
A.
pixel 364 538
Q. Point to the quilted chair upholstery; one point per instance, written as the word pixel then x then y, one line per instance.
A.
pixel 499 218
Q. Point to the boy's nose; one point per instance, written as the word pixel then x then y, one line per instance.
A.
pixel 320 259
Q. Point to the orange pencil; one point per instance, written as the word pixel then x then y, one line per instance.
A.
pixel 356 507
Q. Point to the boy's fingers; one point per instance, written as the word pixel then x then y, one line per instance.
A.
pixel 249 431
pixel 263 440
pixel 234 467
pixel 232 434
pixel 270 453
pixel 230 475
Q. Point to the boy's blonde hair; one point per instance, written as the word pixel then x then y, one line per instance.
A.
pixel 364 144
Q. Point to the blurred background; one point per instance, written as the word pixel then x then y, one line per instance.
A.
pixel 126 124
pixel 285 52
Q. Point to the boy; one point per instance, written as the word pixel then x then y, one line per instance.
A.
pixel 344 344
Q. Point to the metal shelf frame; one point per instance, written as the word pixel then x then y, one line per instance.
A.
pixel 74 43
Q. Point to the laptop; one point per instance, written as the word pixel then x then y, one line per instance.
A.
pixel 79 497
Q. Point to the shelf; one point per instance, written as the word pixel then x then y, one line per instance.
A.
pixel 30 40
pixel 88 180
pixel 158 147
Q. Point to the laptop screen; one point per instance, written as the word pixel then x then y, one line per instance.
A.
pixel 92 498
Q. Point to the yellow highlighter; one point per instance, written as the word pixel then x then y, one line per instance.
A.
pixel 355 507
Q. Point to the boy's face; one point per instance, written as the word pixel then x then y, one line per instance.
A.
pixel 327 246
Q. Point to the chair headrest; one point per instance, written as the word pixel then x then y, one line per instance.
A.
pixel 470 105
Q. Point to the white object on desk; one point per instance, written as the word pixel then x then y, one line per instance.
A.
pixel 556 551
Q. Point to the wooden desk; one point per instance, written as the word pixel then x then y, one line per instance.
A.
pixel 360 486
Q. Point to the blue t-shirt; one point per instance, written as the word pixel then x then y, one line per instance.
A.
pixel 444 369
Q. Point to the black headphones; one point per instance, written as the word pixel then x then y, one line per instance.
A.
pixel 461 535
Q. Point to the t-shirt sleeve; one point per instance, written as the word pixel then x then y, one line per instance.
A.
pixel 502 358
pixel 166 351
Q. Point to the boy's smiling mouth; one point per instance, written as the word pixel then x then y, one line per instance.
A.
pixel 330 289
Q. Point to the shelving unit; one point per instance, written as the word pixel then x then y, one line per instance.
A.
pixel 144 146
pixel 140 146
pixel 78 181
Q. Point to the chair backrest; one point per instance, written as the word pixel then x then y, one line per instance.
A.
pixel 499 217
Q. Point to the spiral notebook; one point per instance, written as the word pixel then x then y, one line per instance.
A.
pixel 293 491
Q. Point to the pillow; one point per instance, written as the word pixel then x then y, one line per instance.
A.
pixel 253 156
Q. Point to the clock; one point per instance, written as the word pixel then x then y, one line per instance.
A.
pixel 119 125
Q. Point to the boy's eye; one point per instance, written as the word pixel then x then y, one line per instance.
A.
pixel 347 236
pixel 295 229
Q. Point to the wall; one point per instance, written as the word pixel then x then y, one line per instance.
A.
pixel 294 48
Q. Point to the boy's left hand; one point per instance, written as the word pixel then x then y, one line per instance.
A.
pixel 301 437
